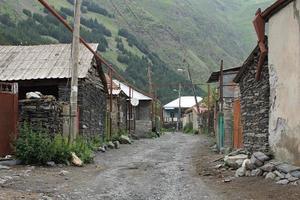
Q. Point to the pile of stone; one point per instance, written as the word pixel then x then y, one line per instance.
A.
pixel 260 164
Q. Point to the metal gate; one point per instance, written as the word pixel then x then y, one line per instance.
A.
pixel 8 116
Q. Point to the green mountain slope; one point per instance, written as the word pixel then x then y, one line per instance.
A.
pixel 135 32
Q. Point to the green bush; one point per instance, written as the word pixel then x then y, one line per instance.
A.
pixel 188 128
pixel 33 147
pixel 61 149
pixel 37 147
pixel 83 149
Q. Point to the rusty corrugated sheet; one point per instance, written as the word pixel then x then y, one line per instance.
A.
pixel 41 62
pixel 237 126
pixel 8 117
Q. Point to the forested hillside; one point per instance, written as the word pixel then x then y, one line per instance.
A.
pixel 133 33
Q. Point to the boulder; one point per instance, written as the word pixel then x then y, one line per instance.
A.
pixel 256 162
pixel 269 167
pixel 235 161
pixel 125 139
pixel 295 174
pixel 4 167
pixel 280 175
pixel 256 172
pixel 102 149
pixel 50 164
pixel 261 156
pixel 292 179
pixel 117 144
pixel 76 161
pixel 110 145
pixel 286 168
pixel 240 172
pixel 283 182
pixel 237 152
pixel 271 176
pixel 248 173
pixel 247 164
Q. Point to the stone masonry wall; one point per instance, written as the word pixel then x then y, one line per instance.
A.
pixel 91 103
pixel 41 113
pixel 255 106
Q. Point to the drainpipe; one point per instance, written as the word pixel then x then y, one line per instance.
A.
pixel 259 25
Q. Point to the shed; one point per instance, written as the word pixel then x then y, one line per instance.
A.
pixel 139 116
pixel 46 68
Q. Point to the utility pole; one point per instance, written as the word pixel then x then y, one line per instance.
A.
pixel 74 74
pixel 221 86
pixel 179 109
pixel 110 102
pixel 194 89
pixel 151 93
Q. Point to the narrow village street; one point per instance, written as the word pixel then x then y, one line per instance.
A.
pixel 149 169
pixel 174 166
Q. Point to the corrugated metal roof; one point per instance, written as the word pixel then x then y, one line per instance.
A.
pixel 41 62
pixel 215 76
pixel 135 94
pixel 186 102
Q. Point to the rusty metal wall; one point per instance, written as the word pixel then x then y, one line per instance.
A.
pixel 8 117
pixel 237 126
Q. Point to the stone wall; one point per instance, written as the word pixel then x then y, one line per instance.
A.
pixel 41 113
pixel 255 105
pixel 91 103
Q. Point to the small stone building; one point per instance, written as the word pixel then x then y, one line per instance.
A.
pixel 46 69
pixel 139 119
pixel 119 106
pixel 255 104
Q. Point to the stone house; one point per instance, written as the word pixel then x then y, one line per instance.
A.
pixel 46 69
pixel 283 21
pixel 119 106
pixel 254 98
pixel 191 116
pixel 224 122
pixel 139 120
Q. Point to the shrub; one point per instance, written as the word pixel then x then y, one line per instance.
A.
pixel 83 150
pixel 37 147
pixel 33 147
pixel 188 128
pixel 61 149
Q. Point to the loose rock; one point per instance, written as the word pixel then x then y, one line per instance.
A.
pixel 125 139
pixel 102 149
pixel 286 168
pixel 111 145
pixel 240 172
pixel 280 175
pixel 283 182
pixel 76 161
pixel 4 167
pixel 271 176
pixel 117 144
pixel 269 167
pixel 256 172
pixel 63 173
pixel 256 162
pixel 50 164
pixel 261 156
pixel 296 174
pixel 235 161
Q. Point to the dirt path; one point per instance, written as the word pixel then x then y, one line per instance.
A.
pixel 149 169
pixel 167 168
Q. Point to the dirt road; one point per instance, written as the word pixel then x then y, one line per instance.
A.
pixel 149 169
pixel 166 168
